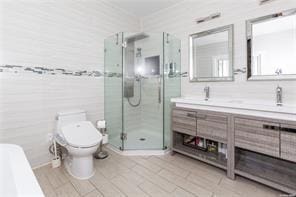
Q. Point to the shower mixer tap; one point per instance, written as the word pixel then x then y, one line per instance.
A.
pixel 207 91
pixel 279 96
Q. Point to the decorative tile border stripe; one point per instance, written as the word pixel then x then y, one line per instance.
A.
pixel 54 71
pixel 61 71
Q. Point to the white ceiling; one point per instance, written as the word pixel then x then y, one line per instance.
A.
pixel 141 8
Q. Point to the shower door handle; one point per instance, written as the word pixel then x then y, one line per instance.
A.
pixel 159 89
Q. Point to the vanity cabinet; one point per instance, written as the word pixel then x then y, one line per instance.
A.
pixel 197 125
pixel 212 126
pixel 257 135
pixel 184 121
pixel 261 148
pixel 200 123
pixel 288 142
pixel 265 151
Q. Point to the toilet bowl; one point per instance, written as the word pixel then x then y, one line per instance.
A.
pixel 81 139
pixel 79 162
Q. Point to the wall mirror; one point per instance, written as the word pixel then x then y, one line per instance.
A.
pixel 211 55
pixel 271 46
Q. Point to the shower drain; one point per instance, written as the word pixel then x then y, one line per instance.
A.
pixel 142 139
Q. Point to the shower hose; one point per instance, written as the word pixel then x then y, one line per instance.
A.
pixel 139 101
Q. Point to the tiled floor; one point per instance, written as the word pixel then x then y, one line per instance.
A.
pixel 160 176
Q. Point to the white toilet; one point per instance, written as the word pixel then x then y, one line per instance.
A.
pixel 81 139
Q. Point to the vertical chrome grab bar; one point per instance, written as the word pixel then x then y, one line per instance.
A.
pixel 159 89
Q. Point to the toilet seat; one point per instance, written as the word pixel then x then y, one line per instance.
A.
pixel 81 134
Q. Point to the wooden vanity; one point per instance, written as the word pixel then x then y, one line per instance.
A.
pixel 260 146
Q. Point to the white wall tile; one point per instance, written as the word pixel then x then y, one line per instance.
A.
pixel 179 20
pixel 54 34
pixel 70 34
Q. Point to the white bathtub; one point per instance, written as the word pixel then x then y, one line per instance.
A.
pixel 16 176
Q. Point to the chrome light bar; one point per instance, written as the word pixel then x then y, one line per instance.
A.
pixel 262 2
pixel 207 18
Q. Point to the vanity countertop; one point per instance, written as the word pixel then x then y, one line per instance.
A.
pixel 253 108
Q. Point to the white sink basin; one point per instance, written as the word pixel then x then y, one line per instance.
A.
pixel 237 104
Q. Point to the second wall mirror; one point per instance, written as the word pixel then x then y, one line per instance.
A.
pixel 272 46
pixel 211 55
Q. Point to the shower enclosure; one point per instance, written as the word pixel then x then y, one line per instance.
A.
pixel 142 73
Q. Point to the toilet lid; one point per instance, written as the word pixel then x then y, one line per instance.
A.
pixel 81 134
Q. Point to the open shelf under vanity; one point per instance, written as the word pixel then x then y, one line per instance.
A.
pixel 214 158
pixel 266 169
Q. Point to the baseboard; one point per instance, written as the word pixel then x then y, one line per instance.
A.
pixel 41 165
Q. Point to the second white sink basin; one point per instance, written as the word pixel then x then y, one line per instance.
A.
pixel 237 104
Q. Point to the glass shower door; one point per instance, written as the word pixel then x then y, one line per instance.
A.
pixel 172 80
pixel 113 88
pixel 143 91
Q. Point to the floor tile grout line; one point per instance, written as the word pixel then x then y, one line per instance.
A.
pixel 59 185
pixel 69 180
pixel 173 171
pixel 94 187
pixel 148 168
pixel 74 187
pixel 45 175
pixel 97 188
pixel 190 171
pixel 129 167
pixel 174 160
pixel 201 185
pixel 215 186
pixel 161 187
pixel 157 174
pixel 184 187
pixel 220 180
pixel 174 183
pixel 143 190
pixel 117 186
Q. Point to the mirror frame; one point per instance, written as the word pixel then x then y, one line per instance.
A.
pixel 228 28
pixel 249 38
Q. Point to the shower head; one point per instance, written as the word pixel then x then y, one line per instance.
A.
pixel 136 37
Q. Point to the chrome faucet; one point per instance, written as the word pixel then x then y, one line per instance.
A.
pixel 207 91
pixel 279 96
